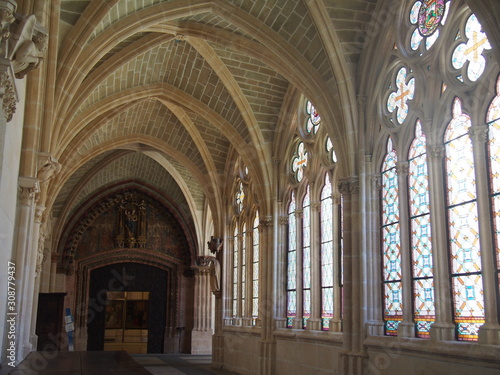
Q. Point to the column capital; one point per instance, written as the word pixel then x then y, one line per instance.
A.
pixel 349 185
pixel 376 181
pixel 479 133
pixel 28 188
pixel 402 168
pixel 436 151
pixel 283 220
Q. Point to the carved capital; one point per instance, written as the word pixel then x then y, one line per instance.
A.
pixel 28 188
pixel 316 206
pixel 349 185
pixel 299 214
pixel 266 222
pixel 283 220
pixel 402 168
pixel 436 152
pixel 479 133
pixel 376 182
pixel 336 198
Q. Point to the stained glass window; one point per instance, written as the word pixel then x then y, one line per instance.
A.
pixel 291 285
pixel 391 245
pixel 313 118
pixel 330 150
pixel 427 16
pixel 255 269
pixel 398 99
pixel 235 271
pixel 493 120
pixel 243 270
pixel 299 162
pixel 463 225
pixel 306 258
pixel 240 197
pixel 326 254
pixel 421 240
pixel 472 50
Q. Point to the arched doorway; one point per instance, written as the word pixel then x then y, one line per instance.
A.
pixel 144 289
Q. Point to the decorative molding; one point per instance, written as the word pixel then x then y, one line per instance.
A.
pixel 39 210
pixel 8 96
pixel 41 250
pixel 402 168
pixel 266 222
pixel 479 133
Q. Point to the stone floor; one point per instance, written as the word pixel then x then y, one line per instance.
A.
pixel 177 364
pixel 116 363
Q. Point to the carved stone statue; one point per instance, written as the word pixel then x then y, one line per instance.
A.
pixel 27 44
pixel 215 244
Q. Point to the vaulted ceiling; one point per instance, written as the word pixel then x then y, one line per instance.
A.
pixel 165 92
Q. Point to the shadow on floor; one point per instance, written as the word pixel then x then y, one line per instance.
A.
pixel 178 364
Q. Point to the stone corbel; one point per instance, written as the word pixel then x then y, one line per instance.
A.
pixel 215 244
pixel 48 166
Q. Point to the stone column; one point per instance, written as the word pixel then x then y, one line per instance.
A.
pixel 406 327
pixel 375 325
pixel 352 357
pixel 280 273
pixel 314 321
pixel 38 239
pixel 489 333
pixel 267 345
pixel 297 321
pixel 201 336
pixel 25 257
pixel 443 328
pixel 336 321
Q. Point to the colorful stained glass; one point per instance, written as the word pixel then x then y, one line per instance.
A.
pixel 306 257
pixel 427 17
pixel 493 120
pixel 430 15
pixel 313 120
pixel 235 272
pixel 255 268
pixel 469 306
pixel 393 307
pixel 299 162
pixel 329 148
pixel 243 269
pixel 421 240
pixel 425 313
pixel 472 50
pixel 240 197
pixel 326 254
pixel 291 264
pixel 464 245
pixel 391 243
pixel 398 99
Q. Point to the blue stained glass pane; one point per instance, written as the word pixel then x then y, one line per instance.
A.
pixel 469 306
pixel 464 239
pixel 392 253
